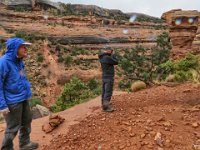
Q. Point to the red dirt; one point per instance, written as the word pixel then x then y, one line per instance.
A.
pixel 72 116
pixel 171 111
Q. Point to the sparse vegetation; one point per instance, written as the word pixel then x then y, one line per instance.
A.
pixel 29 36
pixel 144 18
pixel 21 8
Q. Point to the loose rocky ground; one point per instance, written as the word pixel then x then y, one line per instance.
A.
pixel 157 118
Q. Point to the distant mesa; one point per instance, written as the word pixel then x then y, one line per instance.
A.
pixel 66 9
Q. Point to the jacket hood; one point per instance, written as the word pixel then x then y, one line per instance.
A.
pixel 12 46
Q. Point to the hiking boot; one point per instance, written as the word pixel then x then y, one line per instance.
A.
pixel 30 146
pixel 106 106
pixel 107 109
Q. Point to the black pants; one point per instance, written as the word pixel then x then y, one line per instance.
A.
pixel 107 89
pixel 18 119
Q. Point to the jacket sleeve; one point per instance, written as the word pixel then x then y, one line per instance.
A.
pixel 3 104
pixel 112 60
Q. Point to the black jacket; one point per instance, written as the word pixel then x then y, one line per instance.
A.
pixel 107 64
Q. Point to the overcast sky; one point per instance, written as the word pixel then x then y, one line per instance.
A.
pixel 150 7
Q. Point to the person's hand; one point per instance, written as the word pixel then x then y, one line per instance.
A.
pixel 5 111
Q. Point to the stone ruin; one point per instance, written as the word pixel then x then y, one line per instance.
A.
pixel 183 29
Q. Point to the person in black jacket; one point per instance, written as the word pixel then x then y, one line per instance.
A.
pixel 107 60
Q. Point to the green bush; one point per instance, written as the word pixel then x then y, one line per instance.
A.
pixel 93 84
pixel 182 69
pixel 40 58
pixel 181 76
pixel 189 62
pixel 68 60
pixel 84 52
pixel 60 59
pixel 74 52
pixel 77 61
pixel 75 92
pixel 124 84
pixel 35 101
pixel 144 64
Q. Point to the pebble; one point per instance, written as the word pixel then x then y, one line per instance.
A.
pixel 143 136
pixel 195 125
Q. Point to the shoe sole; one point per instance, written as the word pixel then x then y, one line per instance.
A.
pixel 29 148
pixel 107 111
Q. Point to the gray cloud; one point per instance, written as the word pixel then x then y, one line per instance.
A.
pixel 150 7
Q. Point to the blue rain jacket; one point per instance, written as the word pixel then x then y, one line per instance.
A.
pixel 14 86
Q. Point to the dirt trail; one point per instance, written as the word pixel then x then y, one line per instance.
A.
pixel 72 116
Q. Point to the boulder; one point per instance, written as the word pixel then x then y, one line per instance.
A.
pixel 43 110
pixel 53 122
pixel 39 111
pixel 35 113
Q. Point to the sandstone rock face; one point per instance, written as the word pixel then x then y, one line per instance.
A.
pixel 14 2
pixel 50 3
pixel 30 3
pixel 183 27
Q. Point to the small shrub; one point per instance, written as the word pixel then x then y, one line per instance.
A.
pixel 124 84
pixel 189 62
pixel 181 76
pixel 76 92
pixel 138 85
pixel 40 58
pixel 83 52
pixel 35 101
pixel 77 61
pixel 93 84
pixel 74 52
pixel 68 60
pixel 20 34
pixel 60 59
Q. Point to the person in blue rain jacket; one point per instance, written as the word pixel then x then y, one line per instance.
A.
pixel 14 94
